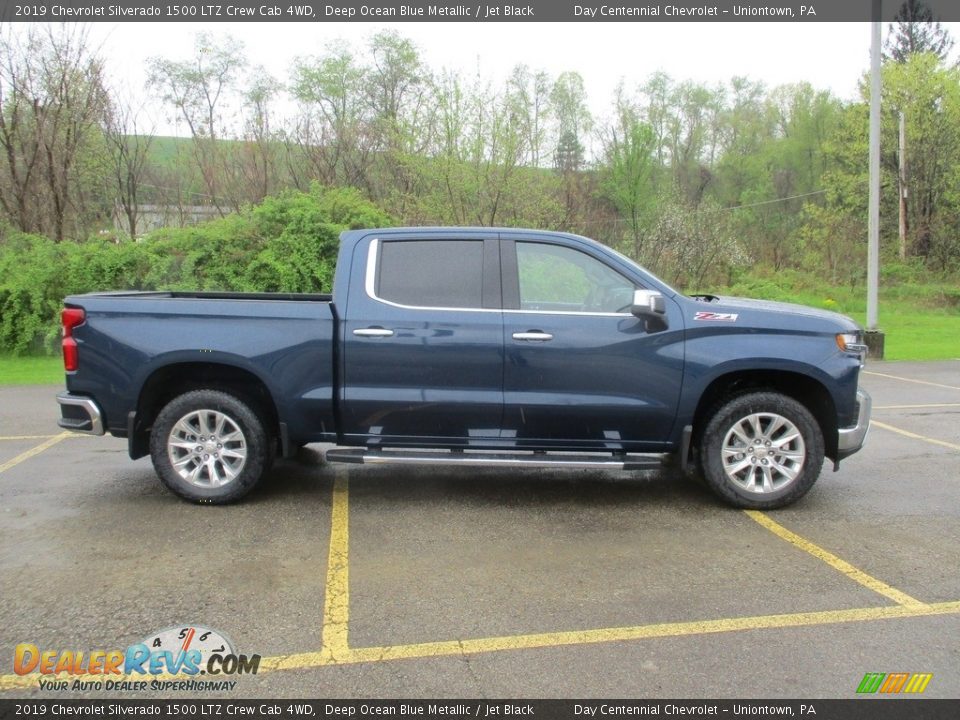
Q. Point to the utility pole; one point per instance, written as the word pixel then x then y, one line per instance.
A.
pixel 902 174
pixel 874 337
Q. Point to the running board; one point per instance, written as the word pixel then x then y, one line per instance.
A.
pixel 482 459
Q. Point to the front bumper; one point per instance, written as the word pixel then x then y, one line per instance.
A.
pixel 80 414
pixel 850 439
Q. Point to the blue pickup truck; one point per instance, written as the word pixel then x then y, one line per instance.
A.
pixel 469 347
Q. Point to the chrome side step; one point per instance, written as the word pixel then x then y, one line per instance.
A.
pixel 494 459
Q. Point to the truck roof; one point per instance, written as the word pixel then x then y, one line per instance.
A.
pixel 448 229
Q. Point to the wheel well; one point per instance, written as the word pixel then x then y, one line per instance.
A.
pixel 171 381
pixel 804 389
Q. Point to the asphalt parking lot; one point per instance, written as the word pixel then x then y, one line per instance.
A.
pixel 379 582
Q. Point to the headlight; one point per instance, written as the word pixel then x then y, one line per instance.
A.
pixel 851 342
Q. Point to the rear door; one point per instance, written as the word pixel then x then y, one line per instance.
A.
pixel 423 340
pixel 580 370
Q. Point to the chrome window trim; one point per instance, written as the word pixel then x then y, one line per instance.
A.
pixel 370 282
pixel 567 312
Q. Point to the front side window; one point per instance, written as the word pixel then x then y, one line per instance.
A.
pixel 431 273
pixel 554 278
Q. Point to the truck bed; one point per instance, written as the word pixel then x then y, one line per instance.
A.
pixel 139 342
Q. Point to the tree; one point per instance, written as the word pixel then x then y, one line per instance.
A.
pixel 200 90
pixel 573 122
pixel 569 101
pixel 747 128
pixel 475 173
pixel 528 94
pixel 52 105
pixel 690 123
pixel 693 135
pixel 916 31
pixel 928 94
pixel 397 84
pixel 332 131
pixel 628 173
pixel 693 246
pixel 20 135
pixel 777 166
pixel 128 145
pixel 257 157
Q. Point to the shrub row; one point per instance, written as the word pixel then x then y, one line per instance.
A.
pixel 287 243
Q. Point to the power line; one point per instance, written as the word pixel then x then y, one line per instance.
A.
pixel 185 192
pixel 775 200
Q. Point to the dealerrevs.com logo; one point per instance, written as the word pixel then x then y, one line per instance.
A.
pixel 894 683
pixel 170 659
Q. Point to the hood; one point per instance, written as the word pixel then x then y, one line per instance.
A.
pixel 753 310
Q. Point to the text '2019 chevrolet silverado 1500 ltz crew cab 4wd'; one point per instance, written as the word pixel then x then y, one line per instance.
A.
pixel 469 346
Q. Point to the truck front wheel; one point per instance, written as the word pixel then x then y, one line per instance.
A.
pixel 761 450
pixel 209 446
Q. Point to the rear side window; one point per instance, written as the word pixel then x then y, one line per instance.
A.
pixel 431 273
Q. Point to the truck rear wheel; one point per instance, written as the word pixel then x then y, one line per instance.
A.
pixel 761 450
pixel 209 446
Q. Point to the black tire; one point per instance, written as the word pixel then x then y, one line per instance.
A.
pixel 208 406
pixel 765 481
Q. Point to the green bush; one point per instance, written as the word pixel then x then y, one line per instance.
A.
pixel 288 243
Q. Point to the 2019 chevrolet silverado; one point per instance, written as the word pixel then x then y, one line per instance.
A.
pixel 469 347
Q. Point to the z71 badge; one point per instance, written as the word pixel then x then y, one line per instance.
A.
pixel 715 316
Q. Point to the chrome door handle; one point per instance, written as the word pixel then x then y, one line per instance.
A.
pixel 373 332
pixel 533 336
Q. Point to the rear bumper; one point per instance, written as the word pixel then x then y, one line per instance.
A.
pixel 80 414
pixel 850 439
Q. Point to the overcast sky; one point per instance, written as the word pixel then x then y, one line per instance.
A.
pixel 828 55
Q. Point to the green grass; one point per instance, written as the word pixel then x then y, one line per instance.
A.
pixel 31 370
pixel 920 320
pixel 917 336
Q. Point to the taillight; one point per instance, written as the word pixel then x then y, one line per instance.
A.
pixel 70 318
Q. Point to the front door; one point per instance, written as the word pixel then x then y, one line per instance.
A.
pixel 580 370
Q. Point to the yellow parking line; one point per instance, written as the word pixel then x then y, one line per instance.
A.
pixel 34 451
pixel 915 436
pixel 336 606
pixel 905 379
pixel 25 437
pixel 303 661
pixel 911 407
pixel 70 435
pixel 833 561
pixel 646 632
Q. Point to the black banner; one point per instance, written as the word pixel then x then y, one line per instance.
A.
pixel 853 709
pixel 464 11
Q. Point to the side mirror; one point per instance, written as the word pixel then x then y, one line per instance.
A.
pixel 650 307
pixel 648 303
